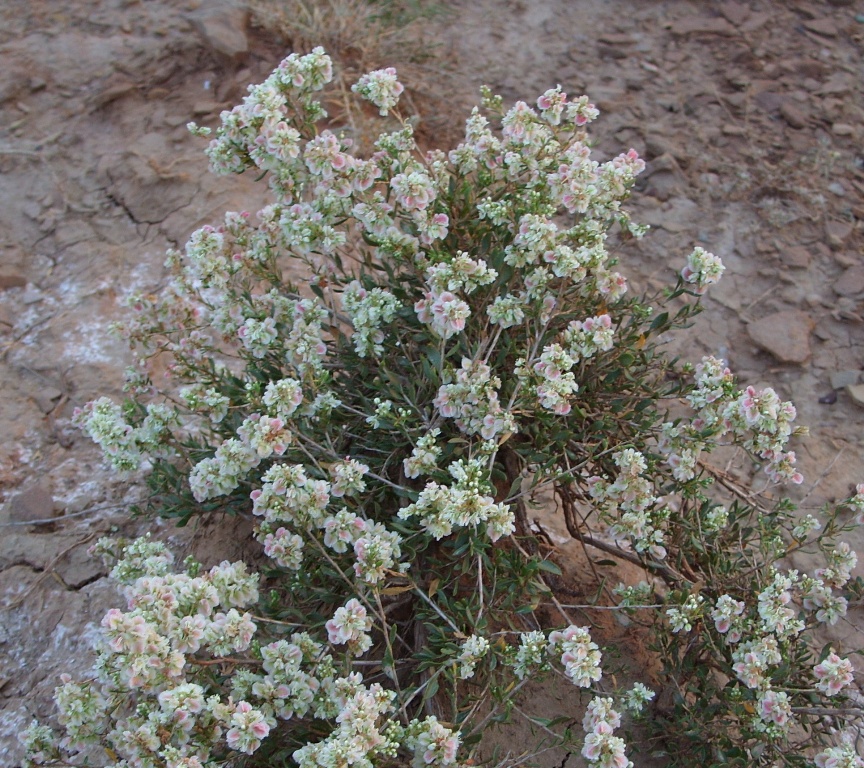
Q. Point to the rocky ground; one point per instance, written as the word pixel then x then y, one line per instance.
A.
pixel 749 113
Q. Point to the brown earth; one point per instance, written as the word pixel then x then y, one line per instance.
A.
pixel 749 114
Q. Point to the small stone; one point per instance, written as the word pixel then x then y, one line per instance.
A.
pixel 31 296
pixel 785 335
pixel 797 257
pixel 757 21
pixel 838 232
pixel 825 27
pixel 839 84
pixel 734 12
pixel 842 129
pixel 856 392
pixel 114 87
pixel 770 101
pixel 78 568
pixel 33 504
pixel 793 115
pixel 729 129
pixel 851 282
pixel 223 28
pixel 10 279
pixel 841 379
pixel 615 39
pixel 836 188
pixel 702 25
pixel 200 108
pixel 46 398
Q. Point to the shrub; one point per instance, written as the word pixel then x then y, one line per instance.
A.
pixel 455 338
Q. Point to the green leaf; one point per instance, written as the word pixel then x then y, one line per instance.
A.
pixel 549 567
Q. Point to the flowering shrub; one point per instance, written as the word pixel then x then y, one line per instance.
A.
pixel 463 340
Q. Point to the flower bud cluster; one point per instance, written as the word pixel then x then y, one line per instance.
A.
pixel 757 419
pixel 470 654
pixel 472 400
pixel 601 748
pixel 381 88
pixel 630 505
pixel 579 654
pixel 368 310
pixel 442 509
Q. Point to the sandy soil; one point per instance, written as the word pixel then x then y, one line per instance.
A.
pixel 749 113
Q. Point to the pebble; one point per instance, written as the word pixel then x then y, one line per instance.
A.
pixel 825 27
pixel 46 398
pixel 736 13
pixel 33 504
pixel 223 28
pixel 838 232
pixel 31 296
pixel 842 129
pixel 785 335
pixel 837 188
pixel 707 25
pixel 793 115
pixel 851 282
pixel 797 257
pixel 841 379
pixel 856 392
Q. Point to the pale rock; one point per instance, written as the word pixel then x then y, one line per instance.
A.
pixel 200 108
pixel 851 282
pixel 702 25
pixel 757 21
pixel 842 129
pixel 838 232
pixel 785 335
pixel 856 392
pixel 222 27
pixel 825 27
pixel 36 503
pixel 46 398
pixel 734 12
pixel 841 379
pixel 793 115
pixel 796 257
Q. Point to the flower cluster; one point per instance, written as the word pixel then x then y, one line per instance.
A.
pixel 472 400
pixel 368 310
pixel 470 653
pixel 833 674
pixel 703 269
pixel 531 654
pixel 466 503
pixel 601 748
pixel 350 625
pixel 424 457
pixel 381 88
pixel 630 505
pixel 683 617
pixel 579 654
